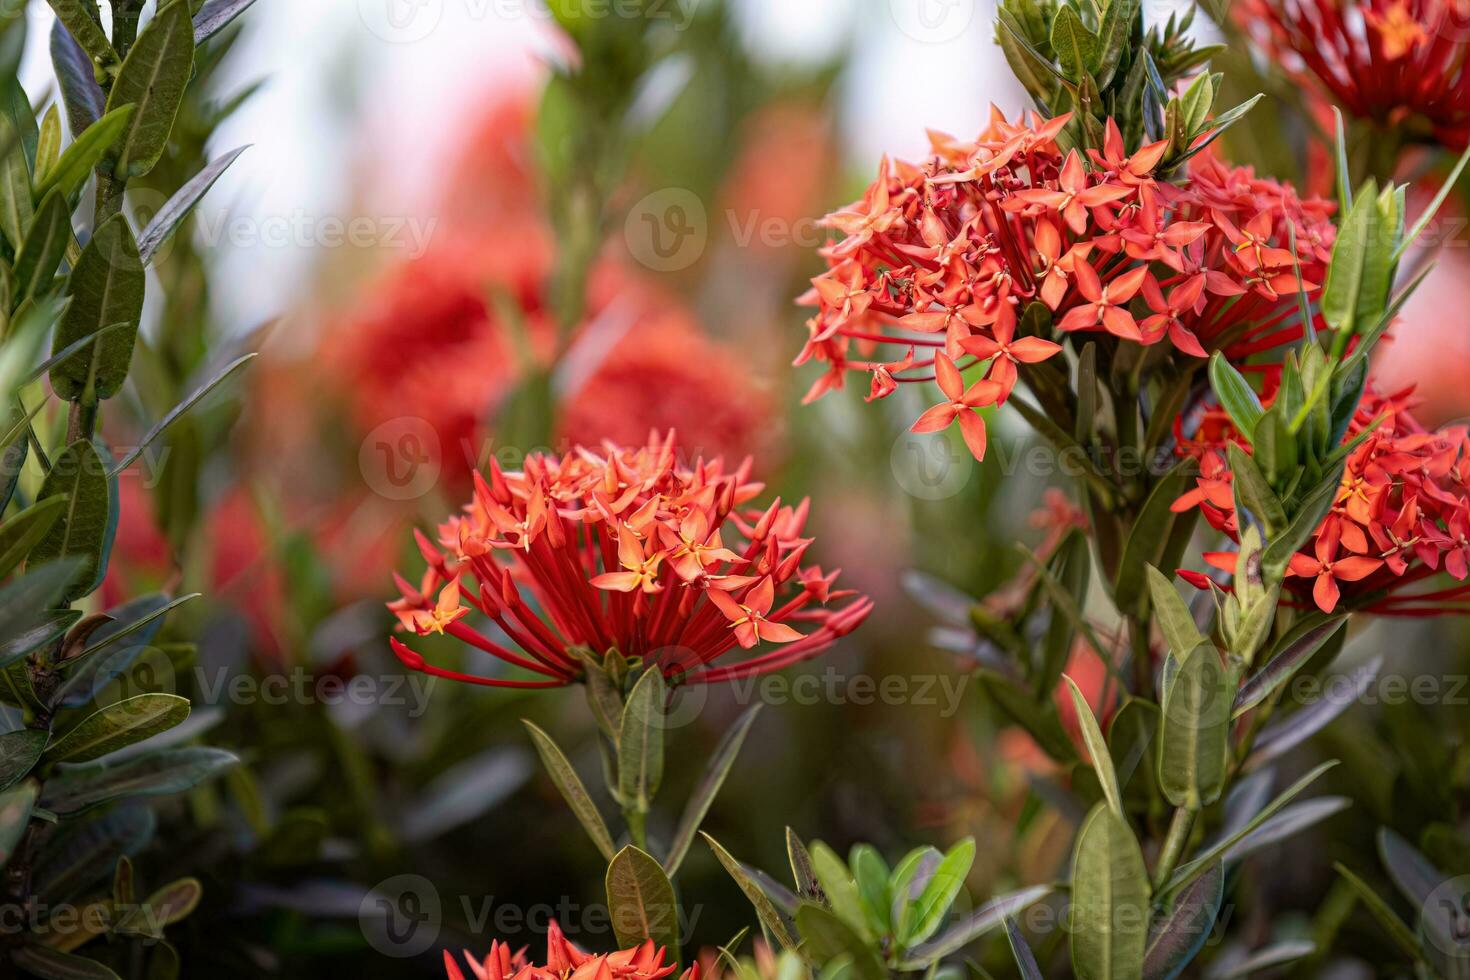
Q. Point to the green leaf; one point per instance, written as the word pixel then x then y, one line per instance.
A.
pixel 165 773
pixel 1097 749
pixel 839 887
pixel 1178 936
pixel 983 920
pixel 709 788
pixel 572 790
pixel 23 531
pixel 1173 616
pixel 1308 517
pixel 80 476
pixel 153 77
pixel 77 163
pixel 42 251
pixel 1076 47
pixel 173 213
pixel 107 288
pixel 1110 900
pixel 921 920
pixel 1025 959
pixel 169 905
pixel 48 144
pixel 16 206
pixel 215 16
pixel 1196 103
pixel 1429 212
pixel 1194 730
pixel 1284 665
pixel 641 741
pixel 15 813
pixel 53 964
pixel 641 901
pixel 80 92
pixel 828 939
pixel 764 909
pixel 802 871
pixel 179 410
pixel 1402 936
pixel 1148 541
pixel 871 873
pixel 1253 495
pixel 1189 872
pixel 117 726
pixel 1072 567
pixel 1235 393
pixel 19 753
pixel 1360 275
pixel 85 30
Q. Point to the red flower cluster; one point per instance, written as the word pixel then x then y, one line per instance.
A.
pixel 625 550
pixel 941 257
pixel 1399 63
pixel 1401 515
pixel 564 961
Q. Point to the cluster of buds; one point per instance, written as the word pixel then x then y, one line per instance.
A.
pixel 942 258
pixel 1398 63
pixel 1402 512
pixel 564 961
pixel 627 551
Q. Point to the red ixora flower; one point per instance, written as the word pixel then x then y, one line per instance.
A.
pixel 564 961
pixel 626 550
pixel 942 257
pixel 1399 63
pixel 1402 514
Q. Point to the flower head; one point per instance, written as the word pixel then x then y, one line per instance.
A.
pixel 625 550
pixel 1401 516
pixel 1398 63
pixel 564 961
pixel 941 259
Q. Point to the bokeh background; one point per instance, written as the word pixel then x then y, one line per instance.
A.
pixel 383 243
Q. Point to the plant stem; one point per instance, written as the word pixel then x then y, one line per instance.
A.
pixel 1173 849
pixel 637 820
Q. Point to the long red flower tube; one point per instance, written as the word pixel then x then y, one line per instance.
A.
pixel 941 258
pixel 625 550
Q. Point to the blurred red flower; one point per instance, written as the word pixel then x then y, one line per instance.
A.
pixel 564 961
pixel 1398 63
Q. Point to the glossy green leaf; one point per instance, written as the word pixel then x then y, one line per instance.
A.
pixel 107 288
pixel 1076 47
pixel 25 530
pixel 871 874
pixel 42 251
pixel 85 152
pixel 1173 616
pixel 1110 900
pixel 641 901
pixel 19 753
pixel 83 529
pixel 164 773
pixel 1194 730
pixel 827 938
pixel 1283 666
pixel 1180 933
pixel 572 789
pixel 1235 393
pixel 1097 749
pixel 641 741
pixel 16 205
pixel 764 909
pixel 117 726
pixel 80 92
pixel 153 77
pixel 1253 495
pixel 87 31
pixel 172 214
pixel 1359 276
pixel 839 888
pixel 48 144
pixel 928 913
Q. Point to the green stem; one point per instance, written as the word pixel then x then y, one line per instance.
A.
pixel 637 820
pixel 1173 849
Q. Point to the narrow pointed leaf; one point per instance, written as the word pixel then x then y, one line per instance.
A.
pixel 179 410
pixel 1097 750
pixel 764 909
pixel 572 789
pixel 173 213
pixel 117 726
